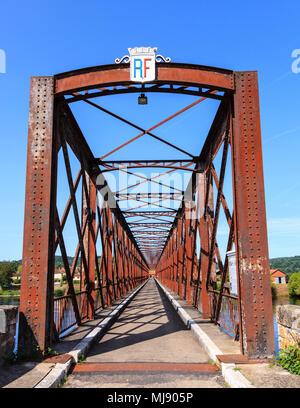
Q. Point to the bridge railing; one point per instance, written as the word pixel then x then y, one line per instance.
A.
pixel 64 315
pixel 228 317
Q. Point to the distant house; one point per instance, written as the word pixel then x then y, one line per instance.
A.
pixel 59 272
pixel 278 276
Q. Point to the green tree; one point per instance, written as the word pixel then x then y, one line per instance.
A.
pixel 14 266
pixel 287 264
pixel 273 290
pixel 19 270
pixel 6 271
pixel 294 284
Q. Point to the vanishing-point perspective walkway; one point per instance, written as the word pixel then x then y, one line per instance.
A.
pixel 148 346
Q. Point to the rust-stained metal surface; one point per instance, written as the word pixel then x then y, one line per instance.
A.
pixel 240 359
pixel 36 302
pixel 204 242
pixel 119 367
pixel 250 215
pixel 102 76
pixel 60 359
pixel 181 244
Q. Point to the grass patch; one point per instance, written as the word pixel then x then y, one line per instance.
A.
pixel 81 358
pixel 10 292
pixel 289 358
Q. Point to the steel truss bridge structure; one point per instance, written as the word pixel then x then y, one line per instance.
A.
pixel 134 241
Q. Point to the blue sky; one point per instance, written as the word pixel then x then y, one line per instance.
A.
pixel 45 38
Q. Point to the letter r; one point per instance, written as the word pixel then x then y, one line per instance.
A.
pixel 136 67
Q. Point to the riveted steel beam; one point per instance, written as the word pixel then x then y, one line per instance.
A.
pixel 257 329
pixel 36 301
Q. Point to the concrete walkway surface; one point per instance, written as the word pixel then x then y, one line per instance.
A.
pixel 148 346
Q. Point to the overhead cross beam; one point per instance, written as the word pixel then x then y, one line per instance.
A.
pixel 160 87
pixel 148 131
pixel 139 164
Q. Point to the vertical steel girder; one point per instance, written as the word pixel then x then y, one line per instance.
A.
pixel 180 256
pixel 188 257
pixel 250 221
pixel 36 301
pixel 89 197
pixel 204 242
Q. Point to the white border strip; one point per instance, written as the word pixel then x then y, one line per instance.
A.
pixel 234 378
pixel 59 371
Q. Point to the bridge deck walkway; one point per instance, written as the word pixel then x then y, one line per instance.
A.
pixel 148 346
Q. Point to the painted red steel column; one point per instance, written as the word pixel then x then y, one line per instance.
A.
pixel 126 261
pixel 180 257
pixel 204 243
pixel 176 290
pixel 91 247
pixel 36 301
pixel 134 266
pixel 166 268
pixel 129 264
pixel 188 262
pixel 194 268
pixel 140 269
pixel 250 221
pixel 113 249
pixel 120 263
pixel 170 263
pixel 109 256
pixel 173 261
pixel 124 257
pixel 184 235
pixel 161 263
pixel 104 254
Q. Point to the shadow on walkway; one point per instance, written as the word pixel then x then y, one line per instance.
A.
pixel 148 329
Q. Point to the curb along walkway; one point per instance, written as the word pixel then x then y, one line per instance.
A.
pixel 217 342
pixel 50 372
pixel 148 346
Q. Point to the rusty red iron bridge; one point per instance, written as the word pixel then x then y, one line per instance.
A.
pixel 117 249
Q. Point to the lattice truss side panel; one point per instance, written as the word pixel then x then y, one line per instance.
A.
pixel 193 264
pixel 105 264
